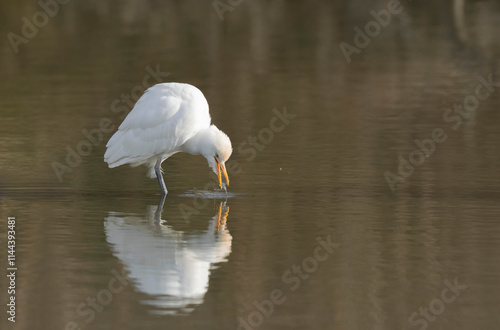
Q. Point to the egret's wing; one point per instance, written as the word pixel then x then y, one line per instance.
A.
pixel 163 119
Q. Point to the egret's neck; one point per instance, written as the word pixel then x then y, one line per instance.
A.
pixel 203 143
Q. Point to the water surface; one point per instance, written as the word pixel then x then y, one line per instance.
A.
pixel 207 258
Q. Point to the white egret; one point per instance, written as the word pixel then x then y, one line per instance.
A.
pixel 169 118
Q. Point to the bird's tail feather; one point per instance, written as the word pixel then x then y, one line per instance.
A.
pixel 117 155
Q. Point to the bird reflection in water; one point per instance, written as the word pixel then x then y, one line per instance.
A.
pixel 171 266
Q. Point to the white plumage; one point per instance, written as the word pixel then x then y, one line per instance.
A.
pixel 169 118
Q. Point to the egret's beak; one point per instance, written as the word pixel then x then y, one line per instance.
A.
pixel 221 168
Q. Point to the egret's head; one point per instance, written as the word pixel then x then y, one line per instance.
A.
pixel 221 152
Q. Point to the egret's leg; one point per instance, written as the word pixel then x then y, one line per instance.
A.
pixel 160 177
